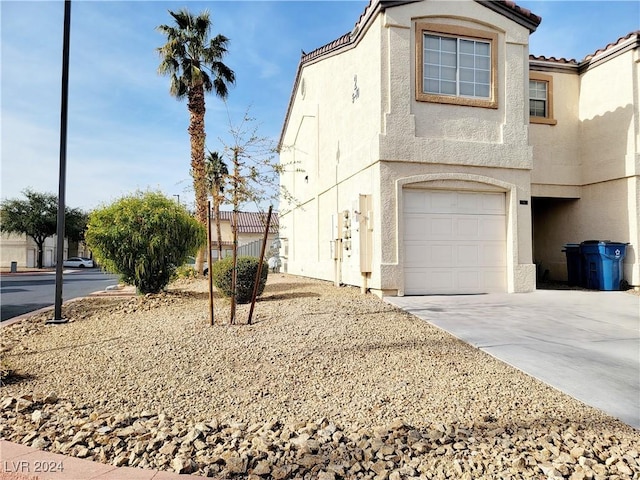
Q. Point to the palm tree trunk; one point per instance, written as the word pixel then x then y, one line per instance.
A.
pixel 197 135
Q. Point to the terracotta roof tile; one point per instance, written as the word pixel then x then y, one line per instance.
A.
pixel 343 40
pixel 522 11
pixel 542 58
pixel 252 222
pixel 347 37
pixel 635 33
pixel 572 61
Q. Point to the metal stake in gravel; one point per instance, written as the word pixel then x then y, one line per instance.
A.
pixel 234 227
pixel 211 321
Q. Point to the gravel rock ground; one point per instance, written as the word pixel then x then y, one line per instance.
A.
pixel 326 383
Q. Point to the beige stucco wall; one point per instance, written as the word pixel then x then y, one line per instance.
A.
pixel 23 250
pixel 610 135
pixel 339 131
pixel 557 167
pixel 608 108
pixel 331 137
pixel 440 133
pixel 15 249
pixel 591 155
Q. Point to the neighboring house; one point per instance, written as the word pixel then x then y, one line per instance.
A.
pixel 21 249
pixel 251 227
pixel 427 168
pixel 585 181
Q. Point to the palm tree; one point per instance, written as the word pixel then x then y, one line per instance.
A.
pixel 217 173
pixel 193 60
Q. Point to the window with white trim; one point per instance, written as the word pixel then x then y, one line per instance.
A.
pixel 456 65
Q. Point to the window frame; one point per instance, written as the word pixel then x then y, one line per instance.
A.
pixel 458 32
pixel 548 119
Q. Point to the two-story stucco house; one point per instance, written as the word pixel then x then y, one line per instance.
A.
pixel 439 157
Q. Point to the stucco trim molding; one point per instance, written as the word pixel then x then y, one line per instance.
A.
pixel 511 194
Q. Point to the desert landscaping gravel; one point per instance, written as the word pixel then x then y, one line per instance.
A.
pixel 326 383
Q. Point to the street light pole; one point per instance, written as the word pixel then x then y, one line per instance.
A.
pixel 60 231
pixel 178 196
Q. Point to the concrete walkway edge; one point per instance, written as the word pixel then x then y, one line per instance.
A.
pixel 20 462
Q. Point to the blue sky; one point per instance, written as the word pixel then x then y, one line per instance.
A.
pixel 126 132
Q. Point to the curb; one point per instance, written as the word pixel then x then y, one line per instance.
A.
pixel 20 462
pixel 126 291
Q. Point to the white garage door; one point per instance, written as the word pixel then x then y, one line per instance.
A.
pixel 454 242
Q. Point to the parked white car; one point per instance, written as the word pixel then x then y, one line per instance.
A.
pixel 191 261
pixel 78 262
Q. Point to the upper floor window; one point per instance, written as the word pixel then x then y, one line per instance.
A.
pixel 456 65
pixel 538 102
pixel 541 98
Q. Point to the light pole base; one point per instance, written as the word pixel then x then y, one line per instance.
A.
pixel 56 321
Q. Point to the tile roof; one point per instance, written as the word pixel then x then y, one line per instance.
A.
pixel 498 5
pixel 542 58
pixel 252 222
pixel 591 56
pixel 621 40
pixel 504 7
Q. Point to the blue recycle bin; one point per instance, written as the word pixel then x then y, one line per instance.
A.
pixel 602 267
pixel 574 264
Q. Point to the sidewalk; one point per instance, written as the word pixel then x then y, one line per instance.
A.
pixel 6 272
pixel 20 462
pixel 118 291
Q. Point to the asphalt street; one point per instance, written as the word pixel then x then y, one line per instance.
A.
pixel 26 292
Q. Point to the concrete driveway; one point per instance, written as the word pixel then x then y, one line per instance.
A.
pixel 584 343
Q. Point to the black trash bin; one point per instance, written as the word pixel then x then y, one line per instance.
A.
pixel 574 264
pixel 602 266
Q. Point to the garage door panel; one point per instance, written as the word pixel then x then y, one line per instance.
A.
pixel 453 254
pixel 414 201
pixel 493 203
pixel 440 255
pixel 493 228
pixel 468 255
pixel 438 227
pixel 424 255
pixel 414 226
pixel 452 280
pixel 493 255
pixel 467 203
pixel 468 280
pixel 439 279
pixel 441 201
pixel 493 280
pixel 467 227
pixel 456 243
pixel 418 253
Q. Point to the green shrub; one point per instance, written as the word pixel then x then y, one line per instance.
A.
pixel 186 272
pixel 144 237
pixel 247 269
